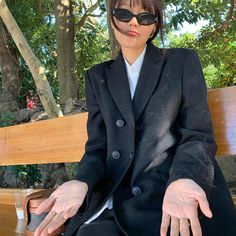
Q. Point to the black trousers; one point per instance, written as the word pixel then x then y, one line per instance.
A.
pixel 104 225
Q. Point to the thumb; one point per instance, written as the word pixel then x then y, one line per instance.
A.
pixel 204 206
pixel 45 206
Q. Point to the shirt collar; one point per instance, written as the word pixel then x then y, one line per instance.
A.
pixel 136 66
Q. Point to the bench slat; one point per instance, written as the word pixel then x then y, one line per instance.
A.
pixel 222 104
pixel 49 141
pixel 6 196
pixel 8 220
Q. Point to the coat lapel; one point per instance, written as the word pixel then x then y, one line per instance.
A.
pixel 148 79
pixel 118 85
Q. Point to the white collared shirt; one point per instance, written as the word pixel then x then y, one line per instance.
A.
pixel 133 72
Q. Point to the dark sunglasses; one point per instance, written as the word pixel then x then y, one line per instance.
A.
pixel 125 15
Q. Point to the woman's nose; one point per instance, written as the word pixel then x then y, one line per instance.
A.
pixel 133 22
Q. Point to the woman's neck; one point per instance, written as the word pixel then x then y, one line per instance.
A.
pixel 131 54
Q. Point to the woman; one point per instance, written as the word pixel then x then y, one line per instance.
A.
pixel 149 166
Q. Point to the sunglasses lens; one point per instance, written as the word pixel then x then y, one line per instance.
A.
pixel 122 15
pixel 146 19
pixel 125 15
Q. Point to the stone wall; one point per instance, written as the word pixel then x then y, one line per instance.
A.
pixel 228 167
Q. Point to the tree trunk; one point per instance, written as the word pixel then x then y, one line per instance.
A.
pixel 113 42
pixel 36 68
pixel 66 62
pixel 11 81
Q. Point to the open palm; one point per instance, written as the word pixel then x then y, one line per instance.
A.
pixel 180 206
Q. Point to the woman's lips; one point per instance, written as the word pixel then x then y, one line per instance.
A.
pixel 132 33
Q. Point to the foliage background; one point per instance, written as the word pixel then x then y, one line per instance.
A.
pixel 215 43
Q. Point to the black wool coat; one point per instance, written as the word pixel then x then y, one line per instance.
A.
pixel 136 148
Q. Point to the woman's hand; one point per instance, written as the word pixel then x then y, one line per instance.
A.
pixel 63 203
pixel 180 206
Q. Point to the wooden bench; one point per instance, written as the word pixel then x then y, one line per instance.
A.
pixel 62 140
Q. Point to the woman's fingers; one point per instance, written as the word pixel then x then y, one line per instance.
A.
pixel 44 224
pixel 174 227
pixel 165 222
pixel 180 226
pixel 57 222
pixel 51 223
pixel 184 227
pixel 195 226
pixel 177 226
pixel 45 206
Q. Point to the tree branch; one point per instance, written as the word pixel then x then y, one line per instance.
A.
pixel 35 66
pixel 221 27
pixel 231 11
pixel 88 13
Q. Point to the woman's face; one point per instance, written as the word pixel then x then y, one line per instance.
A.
pixel 136 35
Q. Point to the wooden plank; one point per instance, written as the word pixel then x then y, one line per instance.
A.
pixel 49 141
pixel 6 196
pixel 234 199
pixel 222 104
pixel 8 220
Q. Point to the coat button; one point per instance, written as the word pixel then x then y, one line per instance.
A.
pixel 136 191
pixel 120 123
pixel 115 155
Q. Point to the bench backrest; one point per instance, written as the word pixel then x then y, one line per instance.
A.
pixel 222 104
pixel 48 141
pixel 62 139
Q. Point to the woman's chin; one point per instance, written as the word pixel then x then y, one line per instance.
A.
pixel 132 44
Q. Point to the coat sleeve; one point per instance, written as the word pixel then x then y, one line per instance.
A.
pixel 91 168
pixel 195 152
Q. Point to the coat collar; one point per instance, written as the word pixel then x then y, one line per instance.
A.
pixel 118 84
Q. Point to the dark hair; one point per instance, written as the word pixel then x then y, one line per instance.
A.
pixel 152 6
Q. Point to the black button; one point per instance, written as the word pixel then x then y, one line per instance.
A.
pixel 131 155
pixel 120 123
pixel 115 155
pixel 136 191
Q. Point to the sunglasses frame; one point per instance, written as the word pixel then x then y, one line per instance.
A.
pixel 113 13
